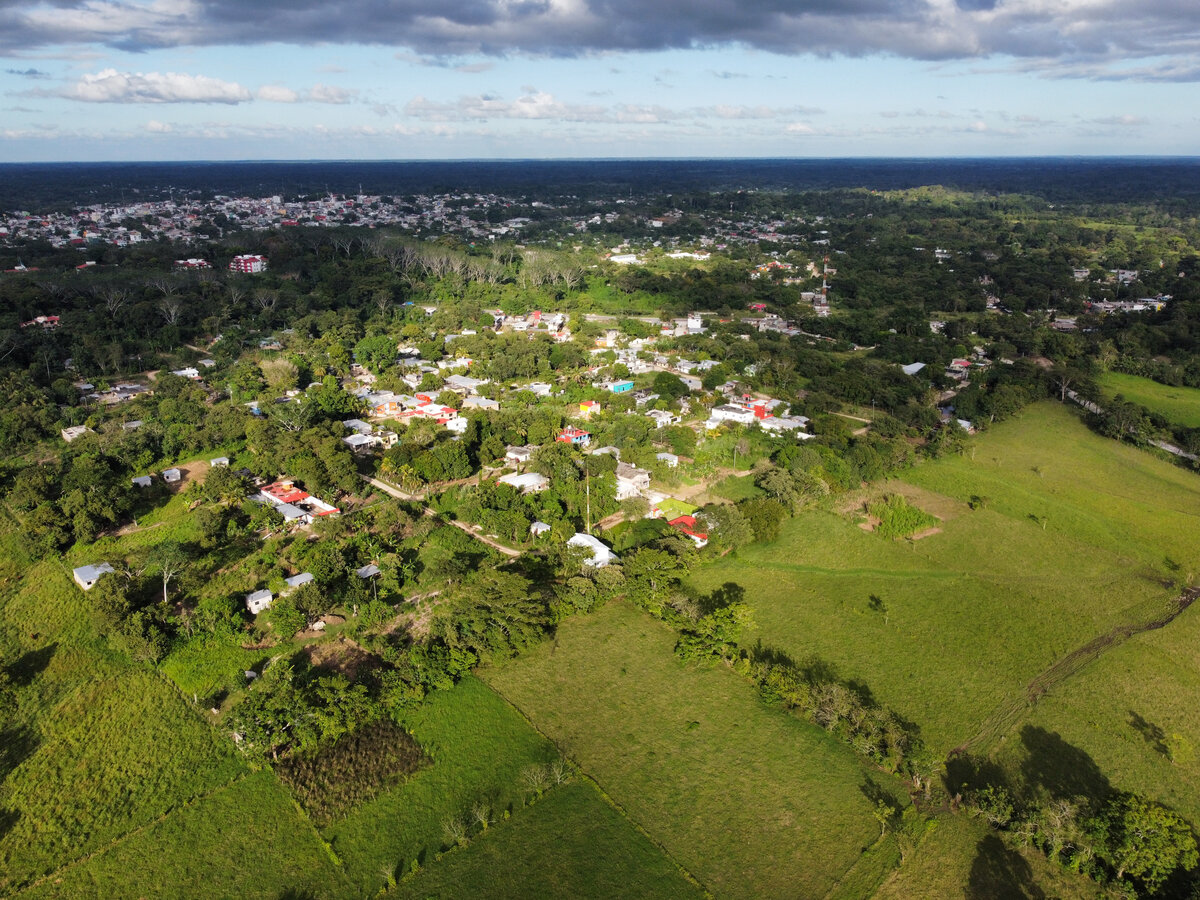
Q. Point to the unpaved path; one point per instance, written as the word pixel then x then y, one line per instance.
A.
pixel 429 511
pixel 1005 718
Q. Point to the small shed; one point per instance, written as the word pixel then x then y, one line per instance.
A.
pixel 142 481
pixel 537 529
pixel 296 581
pixel 87 576
pixel 368 571
pixel 172 476
pixel 257 601
pixel 219 462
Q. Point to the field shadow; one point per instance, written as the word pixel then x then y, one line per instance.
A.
pixel 31 664
pixel 1151 733
pixel 726 595
pixel 999 873
pixel 966 773
pixel 1060 770
pixel 17 744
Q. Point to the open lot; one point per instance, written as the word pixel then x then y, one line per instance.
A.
pixel 750 800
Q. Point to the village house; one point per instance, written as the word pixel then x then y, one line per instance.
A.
pixel 631 481
pixel 574 436
pixel 526 483
pixel 87 576
pixel 520 455
pixel 601 555
pixel 257 601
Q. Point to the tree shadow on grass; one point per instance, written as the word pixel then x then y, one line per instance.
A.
pixel 30 665
pixel 1059 770
pixel 1151 733
pixel 999 873
pixel 17 744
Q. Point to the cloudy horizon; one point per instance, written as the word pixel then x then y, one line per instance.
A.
pixel 410 79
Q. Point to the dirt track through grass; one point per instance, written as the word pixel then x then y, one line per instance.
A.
pixel 1006 717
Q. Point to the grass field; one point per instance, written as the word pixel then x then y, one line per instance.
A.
pixel 1077 534
pixel 750 800
pixel 961 857
pixel 1128 721
pixel 99 746
pixel 245 840
pixel 1179 405
pixel 569 844
pixel 478 744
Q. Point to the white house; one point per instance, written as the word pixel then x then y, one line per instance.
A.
pixel 87 576
pixel 477 402
pixel 70 433
pixel 728 412
pixel 142 481
pixel 669 458
pixel 631 481
pixel 601 554
pixel 257 601
pixel 526 483
pixel 296 581
pixel 520 455
pixel 537 529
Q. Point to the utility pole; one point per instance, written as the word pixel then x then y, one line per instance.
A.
pixel 587 482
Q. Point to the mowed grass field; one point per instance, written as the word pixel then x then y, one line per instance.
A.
pixel 1179 405
pixel 751 801
pixel 569 844
pixel 1077 535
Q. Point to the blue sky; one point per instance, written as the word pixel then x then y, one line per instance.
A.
pixel 414 79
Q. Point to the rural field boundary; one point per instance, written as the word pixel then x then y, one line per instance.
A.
pixel 606 797
pixel 1007 716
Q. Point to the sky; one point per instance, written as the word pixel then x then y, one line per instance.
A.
pixel 468 79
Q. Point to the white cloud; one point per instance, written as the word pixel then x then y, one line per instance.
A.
pixel 156 127
pixel 273 93
pixel 111 86
pixel 325 93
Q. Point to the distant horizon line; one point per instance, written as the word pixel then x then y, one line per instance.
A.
pixel 626 159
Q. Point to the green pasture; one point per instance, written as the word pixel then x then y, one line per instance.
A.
pixel 1178 405
pixel 752 801
pixel 961 857
pixel 1128 721
pixel 1077 534
pixel 478 745
pixel 569 844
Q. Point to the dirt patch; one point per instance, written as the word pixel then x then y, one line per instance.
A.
pixel 871 524
pixel 928 532
pixel 945 508
pixel 342 655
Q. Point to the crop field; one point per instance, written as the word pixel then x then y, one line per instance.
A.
pixel 1178 405
pixel 244 840
pixel 478 747
pixel 750 800
pixel 1075 535
pixel 569 844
